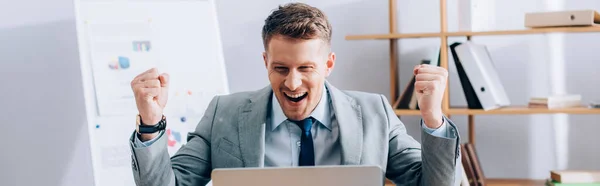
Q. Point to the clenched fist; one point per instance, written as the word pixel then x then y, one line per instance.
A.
pixel 430 84
pixel 151 92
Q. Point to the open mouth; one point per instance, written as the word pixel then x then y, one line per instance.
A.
pixel 296 97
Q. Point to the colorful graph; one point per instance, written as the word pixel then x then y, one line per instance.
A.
pixel 141 46
pixel 120 62
pixel 173 138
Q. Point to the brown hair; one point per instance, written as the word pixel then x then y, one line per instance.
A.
pixel 297 21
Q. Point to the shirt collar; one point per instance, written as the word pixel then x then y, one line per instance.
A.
pixel 321 113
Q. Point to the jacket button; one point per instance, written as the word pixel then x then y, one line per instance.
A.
pixel 133 165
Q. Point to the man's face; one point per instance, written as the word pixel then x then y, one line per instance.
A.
pixel 297 70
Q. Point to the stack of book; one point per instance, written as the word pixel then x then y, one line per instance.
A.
pixel 556 101
pixel 573 178
pixel 472 171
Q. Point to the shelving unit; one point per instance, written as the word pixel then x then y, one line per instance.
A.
pixel 443 35
pixel 393 36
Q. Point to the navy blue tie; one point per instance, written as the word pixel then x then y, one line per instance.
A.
pixel 307 154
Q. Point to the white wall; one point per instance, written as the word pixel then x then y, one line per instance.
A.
pixel 42 103
pixel 44 139
pixel 242 21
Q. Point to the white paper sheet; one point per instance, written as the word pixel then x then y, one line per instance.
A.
pixel 119 52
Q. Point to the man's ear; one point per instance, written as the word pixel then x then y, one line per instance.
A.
pixel 264 54
pixel 330 63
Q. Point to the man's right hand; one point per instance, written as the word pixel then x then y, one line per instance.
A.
pixel 151 92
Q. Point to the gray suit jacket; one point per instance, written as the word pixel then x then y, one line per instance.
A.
pixel 231 134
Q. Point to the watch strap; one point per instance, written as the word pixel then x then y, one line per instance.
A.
pixel 145 129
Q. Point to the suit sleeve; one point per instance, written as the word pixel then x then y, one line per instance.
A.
pixel 191 165
pixel 439 132
pixel 434 162
pixel 138 143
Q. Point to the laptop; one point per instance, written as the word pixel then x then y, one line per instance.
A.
pixel 360 175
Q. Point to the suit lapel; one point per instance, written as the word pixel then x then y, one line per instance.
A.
pixel 251 126
pixel 349 118
pixel 252 120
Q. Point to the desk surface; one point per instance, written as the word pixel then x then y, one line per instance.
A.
pixel 515 182
pixel 505 182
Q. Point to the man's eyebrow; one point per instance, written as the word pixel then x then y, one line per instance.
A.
pixel 301 64
pixel 278 63
pixel 308 63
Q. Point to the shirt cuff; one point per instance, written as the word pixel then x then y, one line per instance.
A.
pixel 139 143
pixel 442 131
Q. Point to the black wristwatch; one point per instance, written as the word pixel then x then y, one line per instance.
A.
pixel 142 128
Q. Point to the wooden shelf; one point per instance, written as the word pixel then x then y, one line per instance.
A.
pixel 393 36
pixel 507 111
pixel 528 31
pixel 407 112
pixel 523 110
pixel 483 33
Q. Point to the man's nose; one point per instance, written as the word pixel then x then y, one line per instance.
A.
pixel 293 81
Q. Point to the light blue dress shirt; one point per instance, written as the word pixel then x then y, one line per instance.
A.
pixel 282 137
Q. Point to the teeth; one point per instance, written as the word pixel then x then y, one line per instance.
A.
pixel 297 95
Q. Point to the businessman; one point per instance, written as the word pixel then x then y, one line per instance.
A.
pixel 299 119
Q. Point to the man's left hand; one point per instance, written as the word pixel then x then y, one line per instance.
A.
pixel 430 84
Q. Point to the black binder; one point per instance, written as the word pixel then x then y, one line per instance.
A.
pixel 404 101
